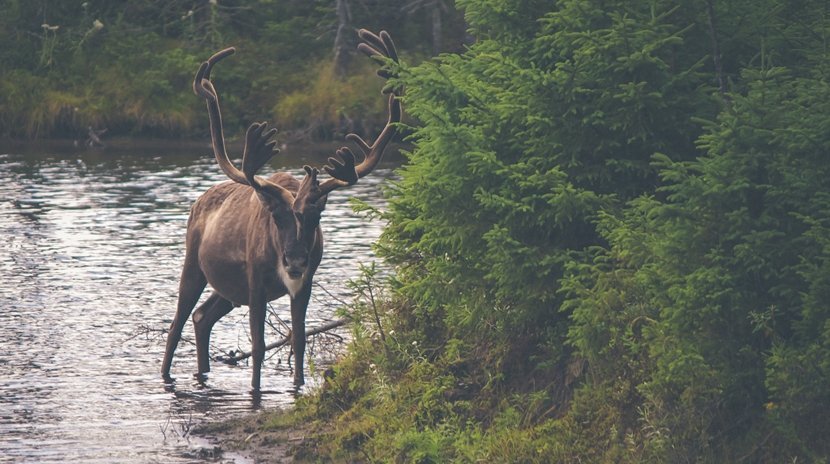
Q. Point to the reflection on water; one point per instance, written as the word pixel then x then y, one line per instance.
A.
pixel 91 245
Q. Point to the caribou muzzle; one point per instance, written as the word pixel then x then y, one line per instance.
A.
pixel 295 266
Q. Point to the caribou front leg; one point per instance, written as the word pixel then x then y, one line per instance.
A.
pixel 256 319
pixel 299 305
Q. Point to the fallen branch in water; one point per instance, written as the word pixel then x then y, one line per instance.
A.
pixel 236 356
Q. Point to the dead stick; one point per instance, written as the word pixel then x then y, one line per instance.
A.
pixel 239 356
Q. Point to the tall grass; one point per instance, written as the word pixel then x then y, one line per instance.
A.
pixel 151 95
pixel 132 84
pixel 34 106
pixel 330 104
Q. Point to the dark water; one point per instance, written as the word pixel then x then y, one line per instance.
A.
pixel 91 245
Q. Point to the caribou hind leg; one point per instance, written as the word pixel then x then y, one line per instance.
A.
pixel 192 284
pixel 205 316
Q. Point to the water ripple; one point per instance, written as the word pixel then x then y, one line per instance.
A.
pixel 91 251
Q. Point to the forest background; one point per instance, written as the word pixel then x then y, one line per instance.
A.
pixel 610 241
pixel 128 66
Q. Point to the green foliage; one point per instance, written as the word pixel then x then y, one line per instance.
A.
pixel 719 280
pixel 157 98
pixel 600 254
pixel 522 141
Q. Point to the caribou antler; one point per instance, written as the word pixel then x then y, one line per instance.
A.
pixel 203 87
pixel 259 149
pixel 344 173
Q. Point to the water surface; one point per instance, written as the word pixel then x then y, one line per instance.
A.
pixel 91 245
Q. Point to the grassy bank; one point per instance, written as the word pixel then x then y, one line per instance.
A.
pixel 155 100
pixel 128 65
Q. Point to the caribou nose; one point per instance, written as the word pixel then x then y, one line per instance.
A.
pixel 295 266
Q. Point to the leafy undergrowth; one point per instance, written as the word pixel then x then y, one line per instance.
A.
pixel 404 392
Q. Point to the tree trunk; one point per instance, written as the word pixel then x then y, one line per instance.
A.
pixel 342 44
pixel 437 32
pixel 716 58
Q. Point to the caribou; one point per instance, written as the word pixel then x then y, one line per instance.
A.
pixel 256 239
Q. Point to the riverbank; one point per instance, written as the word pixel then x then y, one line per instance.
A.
pixel 291 154
pixel 264 437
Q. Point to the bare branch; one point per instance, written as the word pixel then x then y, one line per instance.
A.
pixel 241 355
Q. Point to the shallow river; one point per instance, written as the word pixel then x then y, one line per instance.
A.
pixel 91 246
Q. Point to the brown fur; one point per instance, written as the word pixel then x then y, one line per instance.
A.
pixel 254 239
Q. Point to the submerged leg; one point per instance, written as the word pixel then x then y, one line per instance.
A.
pixel 256 315
pixel 299 305
pixel 204 318
pixel 191 285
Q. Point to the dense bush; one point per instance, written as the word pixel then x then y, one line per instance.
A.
pixel 710 294
pixel 608 246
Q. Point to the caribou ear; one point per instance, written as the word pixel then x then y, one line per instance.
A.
pixel 274 197
pixel 321 202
